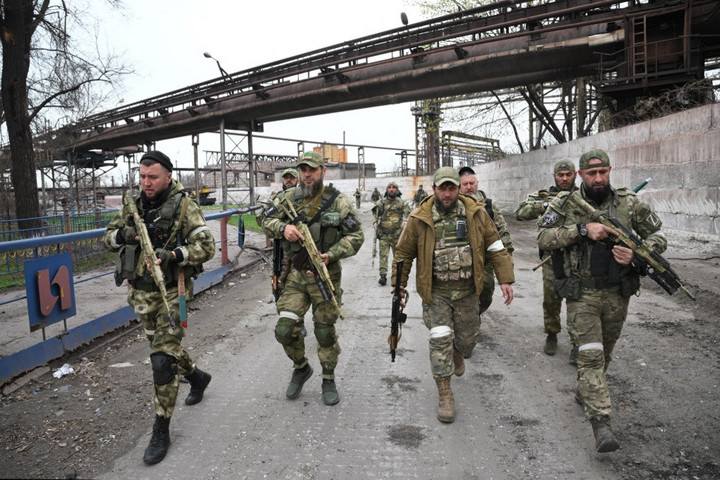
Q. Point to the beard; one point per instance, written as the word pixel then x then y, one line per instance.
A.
pixel 310 190
pixel 442 208
pixel 597 196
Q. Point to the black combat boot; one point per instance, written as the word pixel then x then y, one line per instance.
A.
pixel 159 442
pixel 605 440
pixel 550 344
pixel 383 280
pixel 199 381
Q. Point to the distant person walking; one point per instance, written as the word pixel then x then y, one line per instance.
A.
pixel 389 215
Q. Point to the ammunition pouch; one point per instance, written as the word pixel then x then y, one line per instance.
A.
pixel 630 284
pixel 568 287
pixel 126 263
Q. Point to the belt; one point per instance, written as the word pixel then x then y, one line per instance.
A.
pixel 598 284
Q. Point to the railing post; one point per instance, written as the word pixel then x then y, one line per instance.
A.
pixel 224 240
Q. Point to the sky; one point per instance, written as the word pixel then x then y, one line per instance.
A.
pixel 164 42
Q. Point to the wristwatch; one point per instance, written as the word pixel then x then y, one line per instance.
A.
pixel 282 229
pixel 582 229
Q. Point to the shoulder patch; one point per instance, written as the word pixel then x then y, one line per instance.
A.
pixel 549 219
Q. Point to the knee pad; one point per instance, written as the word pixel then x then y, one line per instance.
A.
pixel 325 335
pixel 164 368
pixel 284 331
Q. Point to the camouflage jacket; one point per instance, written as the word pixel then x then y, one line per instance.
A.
pixel 197 244
pixel 389 214
pixel 558 228
pixel 420 195
pixel 336 232
pixel 418 241
pixel 536 203
pixel 498 220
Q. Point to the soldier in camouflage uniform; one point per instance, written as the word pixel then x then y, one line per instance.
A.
pixel 596 280
pixel 358 197
pixel 375 196
pixel 532 208
pixel 182 240
pixel 420 195
pixel 337 233
pixel 469 187
pixel 389 216
pixel 452 236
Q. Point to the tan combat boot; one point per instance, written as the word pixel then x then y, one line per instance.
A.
pixel 605 440
pixel 446 407
pixel 459 362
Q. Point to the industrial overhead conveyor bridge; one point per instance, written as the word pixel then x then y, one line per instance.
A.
pixel 506 44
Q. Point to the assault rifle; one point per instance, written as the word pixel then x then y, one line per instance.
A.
pixel 149 253
pixel 397 316
pixel 639 187
pixel 647 261
pixel 310 255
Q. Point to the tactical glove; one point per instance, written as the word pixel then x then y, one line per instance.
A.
pixel 166 256
pixel 126 235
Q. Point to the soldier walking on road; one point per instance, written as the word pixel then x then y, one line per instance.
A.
pixel 337 234
pixel 375 196
pixel 451 235
pixel 532 208
pixel 389 215
pixel 358 197
pixel 182 242
pixel 469 187
pixel 420 195
pixel 596 280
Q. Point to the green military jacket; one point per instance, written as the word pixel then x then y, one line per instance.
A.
pixel 197 244
pixel 336 232
pixel 389 214
pixel 558 228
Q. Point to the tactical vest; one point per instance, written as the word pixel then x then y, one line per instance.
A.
pixel 160 223
pixel 453 253
pixel 324 225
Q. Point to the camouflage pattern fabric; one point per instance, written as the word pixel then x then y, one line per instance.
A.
pixel 595 320
pixel 299 294
pixel 552 304
pixel 389 215
pixel 197 246
pixel 463 319
pixel 341 238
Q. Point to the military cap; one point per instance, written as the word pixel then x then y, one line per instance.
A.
pixel 160 158
pixel 290 171
pixel 446 174
pixel 466 171
pixel 592 154
pixel 313 159
pixel 392 184
pixel 563 165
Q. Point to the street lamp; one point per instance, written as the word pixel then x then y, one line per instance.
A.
pixel 223 73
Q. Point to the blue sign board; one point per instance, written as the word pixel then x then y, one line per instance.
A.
pixel 50 290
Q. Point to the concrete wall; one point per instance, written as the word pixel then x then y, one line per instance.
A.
pixel 681 153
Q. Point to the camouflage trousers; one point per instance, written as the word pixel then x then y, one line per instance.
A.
pixel 595 322
pixel 452 324
pixel 357 202
pixel 552 305
pixel 387 242
pixel 163 338
pixel 299 294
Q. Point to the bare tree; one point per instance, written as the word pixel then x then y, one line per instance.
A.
pixel 45 71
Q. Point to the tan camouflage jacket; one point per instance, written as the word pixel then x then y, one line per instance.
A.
pixel 392 213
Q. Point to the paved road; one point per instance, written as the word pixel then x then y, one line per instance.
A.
pixel 384 425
